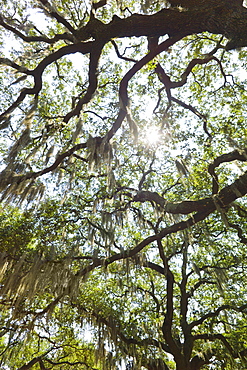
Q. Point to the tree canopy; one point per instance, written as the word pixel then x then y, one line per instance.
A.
pixel 123 185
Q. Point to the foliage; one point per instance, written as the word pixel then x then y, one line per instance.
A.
pixel 123 185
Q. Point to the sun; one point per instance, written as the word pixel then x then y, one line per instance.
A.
pixel 152 135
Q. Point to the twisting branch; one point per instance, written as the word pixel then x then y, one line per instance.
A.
pixel 227 195
pixel 198 284
pixel 240 232
pixel 165 79
pixel 215 314
pixel 33 175
pixel 152 266
pixel 52 12
pixel 189 68
pixel 238 154
pixel 209 315
pixel 121 56
pixel 195 111
pixel 127 253
pixel 93 80
pixel 158 103
pixel 83 48
pixel 53 40
pixel 123 88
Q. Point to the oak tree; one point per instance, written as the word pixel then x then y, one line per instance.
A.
pixel 123 183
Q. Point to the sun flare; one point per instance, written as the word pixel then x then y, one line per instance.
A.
pixel 152 136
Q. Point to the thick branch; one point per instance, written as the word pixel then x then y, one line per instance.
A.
pixel 167 325
pixel 168 21
pixel 225 197
pixel 30 364
pixel 153 266
pixel 128 253
pixel 240 232
pixel 218 17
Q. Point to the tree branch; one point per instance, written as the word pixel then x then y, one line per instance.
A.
pixel 34 361
pixel 83 48
pixel 240 155
pixel 53 40
pixel 53 13
pixel 213 337
pixel 93 81
pixel 216 313
pixel 225 197
pixel 10 63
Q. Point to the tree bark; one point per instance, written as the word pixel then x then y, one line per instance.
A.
pixel 225 18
